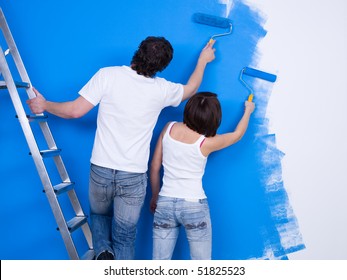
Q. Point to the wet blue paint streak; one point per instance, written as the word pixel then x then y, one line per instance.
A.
pixel 282 229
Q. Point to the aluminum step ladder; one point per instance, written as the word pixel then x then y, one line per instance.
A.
pixel 79 219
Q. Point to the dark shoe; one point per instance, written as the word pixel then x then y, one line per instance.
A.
pixel 106 255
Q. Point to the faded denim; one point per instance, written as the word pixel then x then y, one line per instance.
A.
pixel 116 198
pixel 194 216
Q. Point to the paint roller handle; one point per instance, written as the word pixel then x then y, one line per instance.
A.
pixel 250 97
pixel 249 106
pixel 207 53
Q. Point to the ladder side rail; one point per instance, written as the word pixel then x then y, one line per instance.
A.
pixel 47 135
pixel 15 54
pixel 88 235
pixel 23 120
pixel 75 203
pixel 18 105
pixel 24 76
pixel 38 160
pixel 79 212
pixel 61 169
pixel 52 145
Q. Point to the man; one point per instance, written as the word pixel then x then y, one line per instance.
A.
pixel 130 100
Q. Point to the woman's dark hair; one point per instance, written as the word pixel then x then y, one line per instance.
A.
pixel 203 113
pixel 152 56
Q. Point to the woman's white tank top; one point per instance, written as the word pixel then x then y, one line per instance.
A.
pixel 184 167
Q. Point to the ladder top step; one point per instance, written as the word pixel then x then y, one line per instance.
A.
pixel 3 85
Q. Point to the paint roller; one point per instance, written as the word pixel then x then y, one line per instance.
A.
pixel 215 21
pixel 255 74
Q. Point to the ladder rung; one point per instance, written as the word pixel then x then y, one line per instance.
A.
pixel 50 153
pixel 63 187
pixel 3 85
pixel 89 255
pixel 38 118
pixel 76 222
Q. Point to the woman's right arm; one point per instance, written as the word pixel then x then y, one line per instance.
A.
pixel 155 170
pixel 221 141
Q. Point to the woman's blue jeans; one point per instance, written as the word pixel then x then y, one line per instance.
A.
pixel 169 215
pixel 116 198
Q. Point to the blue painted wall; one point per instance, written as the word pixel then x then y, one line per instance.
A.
pixel 63 44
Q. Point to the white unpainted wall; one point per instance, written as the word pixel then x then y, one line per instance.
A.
pixel 306 46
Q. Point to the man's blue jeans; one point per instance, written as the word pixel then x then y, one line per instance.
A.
pixel 116 198
pixel 169 215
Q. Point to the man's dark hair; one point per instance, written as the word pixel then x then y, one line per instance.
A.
pixel 152 56
pixel 203 113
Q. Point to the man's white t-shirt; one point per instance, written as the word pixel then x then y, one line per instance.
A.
pixel 129 106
